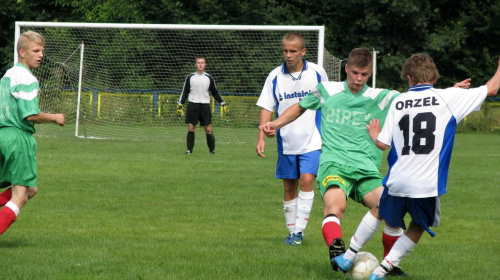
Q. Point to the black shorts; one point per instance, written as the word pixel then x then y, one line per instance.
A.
pixel 198 112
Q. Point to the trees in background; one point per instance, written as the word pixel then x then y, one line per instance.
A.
pixel 461 36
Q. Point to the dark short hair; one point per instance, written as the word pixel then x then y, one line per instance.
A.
pixel 200 57
pixel 360 57
pixel 421 69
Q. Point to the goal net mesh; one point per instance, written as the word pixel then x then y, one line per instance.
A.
pixel 132 79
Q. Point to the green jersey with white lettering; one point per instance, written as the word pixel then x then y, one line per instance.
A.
pixel 18 98
pixel 344 117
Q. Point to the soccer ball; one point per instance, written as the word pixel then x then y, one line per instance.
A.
pixel 364 264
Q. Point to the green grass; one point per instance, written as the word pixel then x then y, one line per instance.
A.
pixel 110 209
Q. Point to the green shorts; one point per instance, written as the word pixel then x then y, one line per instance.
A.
pixel 355 182
pixel 17 158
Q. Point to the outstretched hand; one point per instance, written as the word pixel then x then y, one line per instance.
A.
pixel 374 129
pixel 463 84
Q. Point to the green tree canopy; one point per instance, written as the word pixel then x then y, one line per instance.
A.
pixel 461 36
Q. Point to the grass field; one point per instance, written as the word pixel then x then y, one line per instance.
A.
pixel 144 210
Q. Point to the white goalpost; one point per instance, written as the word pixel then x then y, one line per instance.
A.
pixel 122 81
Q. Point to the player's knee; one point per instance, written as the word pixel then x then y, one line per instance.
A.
pixel 335 208
pixel 208 129
pixel 306 183
pixel 32 191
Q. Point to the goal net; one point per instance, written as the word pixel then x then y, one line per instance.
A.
pixel 123 81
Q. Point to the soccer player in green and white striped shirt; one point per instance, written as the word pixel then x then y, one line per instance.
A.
pixel 19 112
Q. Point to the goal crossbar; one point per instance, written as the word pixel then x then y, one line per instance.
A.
pixel 319 28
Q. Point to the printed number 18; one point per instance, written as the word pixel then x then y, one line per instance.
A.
pixel 424 125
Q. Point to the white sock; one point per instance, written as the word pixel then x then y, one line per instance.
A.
pixel 290 210
pixel 365 231
pixel 13 207
pixel 393 231
pixel 330 219
pixel 380 271
pixel 400 250
pixel 304 206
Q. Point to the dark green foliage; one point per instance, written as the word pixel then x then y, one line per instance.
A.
pixel 460 35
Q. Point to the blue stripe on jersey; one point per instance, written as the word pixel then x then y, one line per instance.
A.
pixel 445 155
pixel 392 157
pixel 285 70
pixel 420 87
pixel 275 82
pixel 279 140
pixel 318 112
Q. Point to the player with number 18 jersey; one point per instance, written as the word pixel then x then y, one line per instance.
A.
pixel 420 127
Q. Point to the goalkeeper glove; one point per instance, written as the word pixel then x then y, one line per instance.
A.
pixel 180 110
pixel 225 109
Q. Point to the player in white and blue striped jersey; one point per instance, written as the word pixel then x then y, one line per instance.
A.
pixel 299 144
pixel 420 127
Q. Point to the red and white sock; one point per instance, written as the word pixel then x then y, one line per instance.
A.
pixel 389 237
pixel 400 250
pixel 331 229
pixel 8 215
pixel 5 196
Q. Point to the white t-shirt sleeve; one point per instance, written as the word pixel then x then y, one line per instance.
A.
pixel 470 101
pixel 266 98
pixel 387 132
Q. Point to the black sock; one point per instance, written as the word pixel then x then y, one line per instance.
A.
pixel 190 140
pixel 211 142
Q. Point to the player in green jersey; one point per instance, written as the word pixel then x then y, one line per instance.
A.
pixel 349 161
pixel 19 112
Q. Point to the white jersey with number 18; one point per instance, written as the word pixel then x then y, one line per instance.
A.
pixel 420 127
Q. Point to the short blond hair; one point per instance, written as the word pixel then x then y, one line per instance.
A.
pixel 28 37
pixel 295 36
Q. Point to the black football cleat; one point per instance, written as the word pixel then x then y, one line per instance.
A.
pixel 397 271
pixel 336 248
